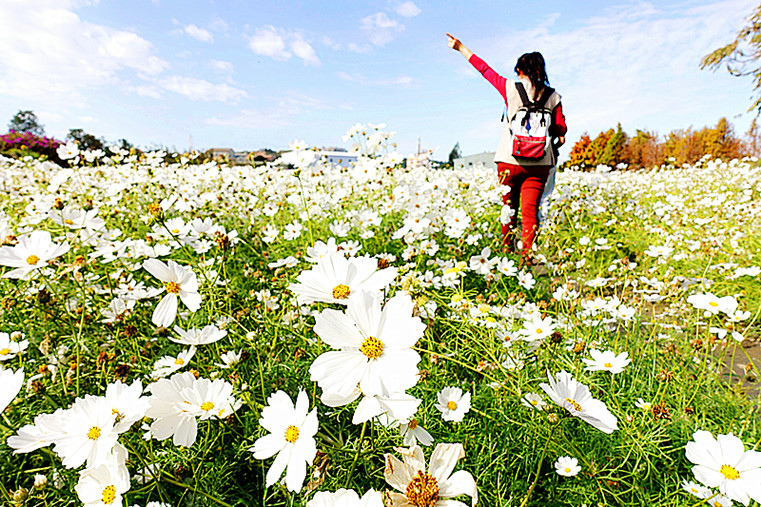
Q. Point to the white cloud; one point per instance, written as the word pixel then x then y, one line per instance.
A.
pixel 280 44
pixel 379 28
pixel 198 33
pixel 199 89
pixel 631 63
pixel 148 91
pixel 408 9
pixel 221 65
pixel 48 53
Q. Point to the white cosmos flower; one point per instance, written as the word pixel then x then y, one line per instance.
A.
pixel 46 430
pixel 696 489
pixel 292 429
pixel 104 485
pixel 434 486
pixel 346 498
pixel 209 334
pixel 574 396
pixel 537 328
pixel 398 406
pixel 88 432
pixel 533 400
pixel 375 346
pixel 723 463
pixel 169 410
pixel 607 361
pixel 178 281
pixel 567 466
pixel 412 432
pixel 33 251
pixel 453 404
pixel 10 384
pixel 713 304
pixel 210 398
pixel 10 348
pixel 127 403
pixel 334 278
pixel 170 364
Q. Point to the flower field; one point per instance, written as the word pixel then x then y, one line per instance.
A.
pixel 175 333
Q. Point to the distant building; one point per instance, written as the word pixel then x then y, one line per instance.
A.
pixel 338 158
pixel 222 153
pixel 486 158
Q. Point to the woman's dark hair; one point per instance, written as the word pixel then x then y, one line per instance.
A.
pixel 532 64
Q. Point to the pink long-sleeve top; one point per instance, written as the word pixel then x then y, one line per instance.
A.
pixel 558 127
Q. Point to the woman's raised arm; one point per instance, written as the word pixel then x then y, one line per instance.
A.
pixel 455 44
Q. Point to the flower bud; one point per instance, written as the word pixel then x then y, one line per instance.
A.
pixel 40 481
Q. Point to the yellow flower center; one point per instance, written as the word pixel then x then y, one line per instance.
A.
pixel 372 347
pixel 5 351
pixel 94 433
pixel 452 405
pixel 567 470
pixel 608 365
pixel 341 291
pixel 539 330
pixel 574 404
pixel 109 494
pixel 179 361
pixel 207 405
pixel 173 287
pixel 423 490
pixel 713 303
pixel 291 434
pixel 32 260
pixel 68 221
pixel 729 472
pixel 412 424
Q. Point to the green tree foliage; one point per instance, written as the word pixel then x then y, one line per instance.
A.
pixel 84 140
pixel 742 56
pixel 593 153
pixel 26 121
pixel 455 153
pixel 612 154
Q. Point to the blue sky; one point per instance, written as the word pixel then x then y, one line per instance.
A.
pixel 248 74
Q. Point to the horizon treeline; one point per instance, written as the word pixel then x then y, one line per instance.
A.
pixel 616 148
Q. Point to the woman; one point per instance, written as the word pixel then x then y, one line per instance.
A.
pixel 526 177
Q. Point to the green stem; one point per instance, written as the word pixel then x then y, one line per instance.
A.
pixel 356 455
pixel 194 490
pixel 538 467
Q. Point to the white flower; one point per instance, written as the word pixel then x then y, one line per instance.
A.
pixel 346 498
pixel 68 150
pixel 335 278
pixel 537 328
pixel 229 359
pixel 418 486
pixel 168 409
pixel 574 396
pixel 607 361
pixel 696 489
pixel 567 466
pixel 10 384
pixel 712 304
pixel 412 432
pixel 398 406
pixel 644 405
pixel 10 348
pixel 507 267
pixel 170 364
pixel 209 334
pixel 292 429
pixel 723 463
pixel 453 404
pixel 103 485
pixel 481 264
pixel 178 281
pixel 526 280
pixel 533 400
pixel 375 346
pixel 127 403
pixel 88 432
pixel 32 252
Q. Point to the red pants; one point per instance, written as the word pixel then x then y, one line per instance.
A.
pixel 526 186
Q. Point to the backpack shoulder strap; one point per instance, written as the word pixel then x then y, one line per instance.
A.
pixel 522 92
pixel 545 97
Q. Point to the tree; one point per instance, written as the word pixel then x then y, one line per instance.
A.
pixel 455 153
pixel 26 121
pixel 614 148
pixel 84 140
pixel 742 56
pixel 576 156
